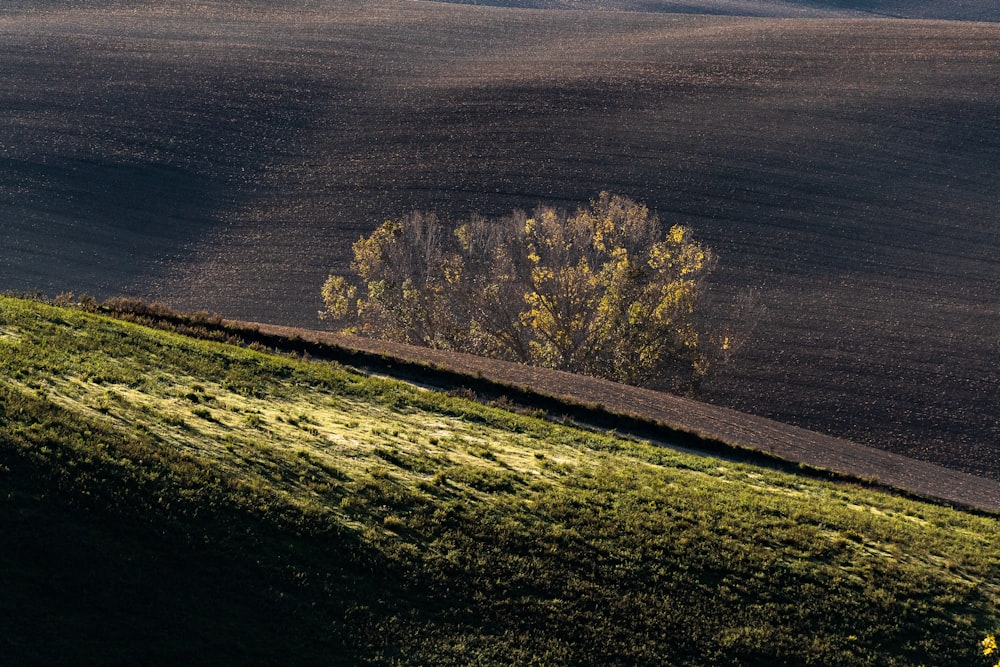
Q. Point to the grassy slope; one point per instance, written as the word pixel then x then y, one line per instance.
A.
pixel 224 156
pixel 186 501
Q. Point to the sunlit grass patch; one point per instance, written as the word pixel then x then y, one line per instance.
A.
pixel 9 333
pixel 475 526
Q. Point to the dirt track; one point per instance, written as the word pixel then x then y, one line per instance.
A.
pixel 710 423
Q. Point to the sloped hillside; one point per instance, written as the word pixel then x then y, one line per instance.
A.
pixel 167 500
pixel 225 155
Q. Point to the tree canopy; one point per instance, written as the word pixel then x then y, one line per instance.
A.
pixel 604 290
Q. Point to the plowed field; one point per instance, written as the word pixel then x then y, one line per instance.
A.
pixel 223 156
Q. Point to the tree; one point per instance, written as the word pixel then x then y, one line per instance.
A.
pixel 603 291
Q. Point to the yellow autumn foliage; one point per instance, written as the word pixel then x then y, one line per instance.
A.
pixel 602 290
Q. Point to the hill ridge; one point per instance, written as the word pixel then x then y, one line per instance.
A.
pixel 224 158
pixel 708 423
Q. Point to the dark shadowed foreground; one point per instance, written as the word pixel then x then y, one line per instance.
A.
pixel 224 156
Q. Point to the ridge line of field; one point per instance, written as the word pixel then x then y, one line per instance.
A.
pixel 634 410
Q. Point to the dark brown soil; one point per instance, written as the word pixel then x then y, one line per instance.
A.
pixel 968 10
pixel 223 156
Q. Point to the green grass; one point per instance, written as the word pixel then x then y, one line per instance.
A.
pixel 178 501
